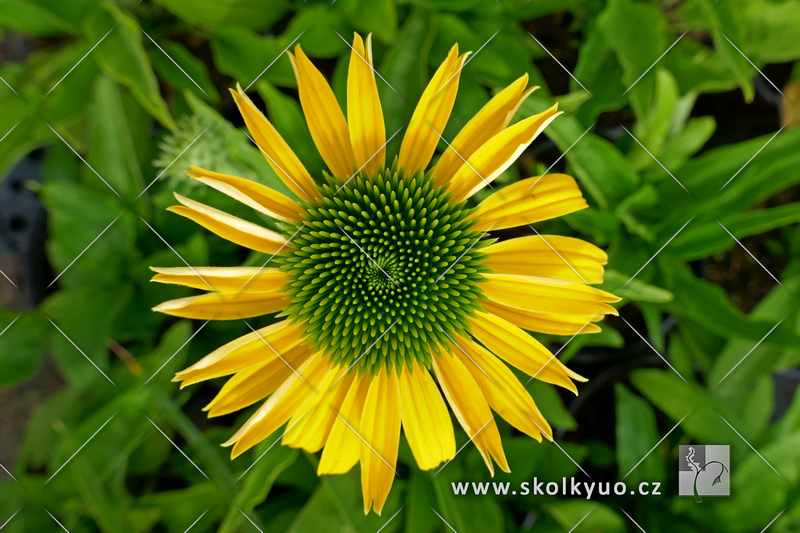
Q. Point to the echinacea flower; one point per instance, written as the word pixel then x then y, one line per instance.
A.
pixel 385 276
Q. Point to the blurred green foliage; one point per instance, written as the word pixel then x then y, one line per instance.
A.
pixel 139 90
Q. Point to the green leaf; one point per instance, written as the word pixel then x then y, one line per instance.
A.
pixel 376 16
pixel 122 56
pixel 598 517
pixel 25 339
pixel 319 24
pixel 188 71
pixel 771 30
pixel 243 55
pixel 634 289
pixel 637 433
pixel 251 14
pixel 468 514
pixel 27 17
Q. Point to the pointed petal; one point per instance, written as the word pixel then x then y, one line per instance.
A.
pixel 325 119
pixel 253 384
pixel 248 279
pixel 280 157
pixel 380 438
pixel 230 305
pixel 229 227
pixel 548 256
pixel 426 421
pixel 505 394
pixel 364 113
pixel 470 407
pixel 256 348
pixel 259 197
pixel 522 351
pixel 431 114
pixel 548 295
pixel 343 447
pixel 528 201
pixel 497 154
pixel 488 122
pixel 550 323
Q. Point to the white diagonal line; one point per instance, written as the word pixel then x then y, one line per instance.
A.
pixel 656 160
pixel 657 444
pixel 9 473
pixel 364 59
pixel 81 351
pixel 581 520
pixel 470 247
pixel 79 449
pixel 177 447
pixel 56 519
pixel 196 273
pixel 751 446
pixel 559 255
pixel 79 61
pixel 9 519
pixel 368 349
pixel 276 353
pixel 288 427
pixel 13 91
pixel 754 156
pixel 658 252
pixel 467 60
pixel 655 63
pixel 560 157
pixel 753 64
pixel 250 520
pixel 398 512
pixel 462 158
pixel 561 64
pixel 560 448
pixel 274 60
pixel 173 161
pixel 9 279
pixel 751 351
pixel 463 446
pixel 368 256
pixel 773 520
pixel 9 324
pixel 9 131
pixel 750 254
pixel 632 520
pixel 198 519
pixel 443 520
pixel 174 62
pixel 84 161
pixel 656 351
pixel 368 444
pixel 464 352
pixel 177 352
pixel 555 355
pixel 84 251
pixel 367 161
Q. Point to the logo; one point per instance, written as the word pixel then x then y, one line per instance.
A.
pixel 704 471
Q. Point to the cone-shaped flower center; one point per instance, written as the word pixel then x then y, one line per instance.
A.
pixel 384 269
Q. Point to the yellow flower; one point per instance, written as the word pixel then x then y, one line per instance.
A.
pixel 385 277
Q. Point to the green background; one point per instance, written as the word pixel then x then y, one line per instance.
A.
pixel 698 117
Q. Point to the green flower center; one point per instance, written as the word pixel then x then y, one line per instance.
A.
pixel 384 269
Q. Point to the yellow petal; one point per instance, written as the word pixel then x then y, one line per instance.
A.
pixel 229 227
pixel 489 121
pixel 547 295
pixel 547 256
pixel 343 447
pixel 470 407
pixel 502 389
pixel 256 348
pixel 259 197
pixel 364 113
pixel 229 305
pixel 309 428
pixel 280 157
pixel 290 397
pixel 528 201
pixel 252 384
pixel 380 437
pixel 497 154
pixel 522 351
pixel 549 323
pixel 325 119
pixel 431 115
pixel 426 421
pixel 248 279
